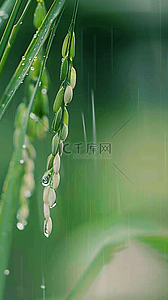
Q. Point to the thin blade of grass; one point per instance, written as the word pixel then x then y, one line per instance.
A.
pixel 5 10
pixel 32 51
pixel 9 26
pixel 12 37
pixel 11 185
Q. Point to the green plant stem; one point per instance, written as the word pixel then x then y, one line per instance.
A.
pixel 11 184
pixel 12 37
pixel 6 8
pixel 9 26
pixel 32 51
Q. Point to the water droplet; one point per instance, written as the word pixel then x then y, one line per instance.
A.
pixel 24 146
pixel 21 23
pixel 33 116
pixel 20 226
pixel 21 81
pixel 21 161
pixel 30 59
pixel 43 286
pixel 27 193
pixel 40 83
pixel 6 272
pixel 44 91
pixel 32 68
pixel 53 205
pixel 35 36
pixel 3 105
pixel 46 179
pixel 47 227
pixel 23 58
pixel 35 57
pixel 23 64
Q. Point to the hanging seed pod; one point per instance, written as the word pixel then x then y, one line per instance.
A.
pixel 16 136
pixel 68 94
pixel 44 104
pixel 46 178
pixel 29 166
pixel 56 180
pixel 29 181
pixel 72 49
pixel 60 148
pixel 45 79
pixel 55 142
pixel 39 15
pixel 45 123
pixel 21 108
pixel 51 200
pixel 40 130
pixel 64 68
pixel 65 45
pixel 57 120
pixel 47 227
pixel 34 73
pixel 64 132
pixel 31 150
pixel 56 163
pixel 73 77
pixel 45 194
pixel 58 100
pixel 65 116
pixel 50 161
pixel 46 211
pixel 31 128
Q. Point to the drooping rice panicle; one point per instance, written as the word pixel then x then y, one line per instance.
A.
pixel 51 177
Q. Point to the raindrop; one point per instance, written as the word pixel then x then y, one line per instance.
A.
pixel 23 58
pixel 42 286
pixel 6 272
pixel 23 64
pixel 53 205
pixel 46 179
pixel 21 23
pixel 35 57
pixel 35 36
pixel 33 116
pixel 44 91
pixel 21 161
pixel 3 105
pixel 40 83
pixel 27 193
pixel 32 68
pixel 24 146
pixel 30 59
pixel 20 226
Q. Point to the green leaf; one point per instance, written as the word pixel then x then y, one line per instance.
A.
pixel 9 26
pixel 32 51
pixel 11 184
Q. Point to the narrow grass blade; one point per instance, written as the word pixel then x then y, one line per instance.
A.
pixel 9 26
pixel 12 37
pixel 32 51
pixel 5 10
pixel 11 185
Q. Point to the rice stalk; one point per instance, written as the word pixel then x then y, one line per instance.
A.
pixel 51 177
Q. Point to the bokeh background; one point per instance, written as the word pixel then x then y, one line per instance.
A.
pixel 121 62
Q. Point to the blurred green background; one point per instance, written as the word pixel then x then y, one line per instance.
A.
pixel 121 60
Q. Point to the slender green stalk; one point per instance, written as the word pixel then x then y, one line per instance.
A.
pixel 5 10
pixel 9 26
pixel 12 37
pixel 31 52
pixel 11 185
